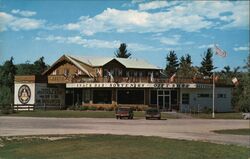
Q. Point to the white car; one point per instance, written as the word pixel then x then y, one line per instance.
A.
pixel 246 115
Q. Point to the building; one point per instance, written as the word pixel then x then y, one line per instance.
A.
pixel 89 81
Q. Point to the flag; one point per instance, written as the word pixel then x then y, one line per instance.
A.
pixel 152 77
pixel 220 52
pixel 216 78
pixel 111 76
pixel 99 72
pixel 235 81
pixel 172 78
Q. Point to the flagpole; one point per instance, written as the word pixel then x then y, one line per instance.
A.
pixel 213 115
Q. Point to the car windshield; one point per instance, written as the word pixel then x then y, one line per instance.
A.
pixel 123 109
pixel 152 111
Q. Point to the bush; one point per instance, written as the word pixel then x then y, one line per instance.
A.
pixel 92 108
pixel 7 109
pixel 207 110
pixel 83 108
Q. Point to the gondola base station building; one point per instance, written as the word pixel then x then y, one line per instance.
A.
pixel 111 82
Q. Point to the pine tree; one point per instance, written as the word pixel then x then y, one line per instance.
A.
pixel 185 67
pixel 172 64
pixel 8 72
pixel 207 63
pixel 122 52
pixel 39 66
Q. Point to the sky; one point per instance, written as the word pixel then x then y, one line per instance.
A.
pixel 30 29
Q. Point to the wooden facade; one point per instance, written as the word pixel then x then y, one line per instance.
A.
pixel 110 83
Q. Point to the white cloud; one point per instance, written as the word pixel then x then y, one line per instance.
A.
pixel 24 13
pixel 174 40
pixel 96 43
pixel 137 21
pixel 153 5
pixel 241 48
pixel 186 16
pixel 206 46
pixel 4 20
pixel 8 21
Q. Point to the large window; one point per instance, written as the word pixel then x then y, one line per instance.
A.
pixel 86 95
pixel 185 98
pixel 153 97
pixel 204 95
pixel 173 96
pixel 221 96
pixel 130 96
pixel 102 96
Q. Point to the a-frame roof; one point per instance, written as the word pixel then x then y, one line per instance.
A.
pixel 93 62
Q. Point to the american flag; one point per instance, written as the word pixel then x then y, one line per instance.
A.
pixel 220 52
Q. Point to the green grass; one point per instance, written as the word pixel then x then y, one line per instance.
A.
pixel 234 131
pixel 117 147
pixel 218 116
pixel 80 114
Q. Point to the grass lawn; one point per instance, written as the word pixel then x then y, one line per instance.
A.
pixel 115 147
pixel 79 114
pixel 218 116
pixel 234 131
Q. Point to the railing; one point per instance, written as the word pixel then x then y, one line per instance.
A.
pixel 79 79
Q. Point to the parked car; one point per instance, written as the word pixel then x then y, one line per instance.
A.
pixel 246 115
pixel 153 113
pixel 124 112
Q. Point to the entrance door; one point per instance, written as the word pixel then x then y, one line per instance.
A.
pixel 163 100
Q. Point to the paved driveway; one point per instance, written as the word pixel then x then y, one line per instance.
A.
pixel 187 129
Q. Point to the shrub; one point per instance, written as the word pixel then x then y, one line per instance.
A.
pixel 207 110
pixel 83 108
pixel 92 108
pixel 7 109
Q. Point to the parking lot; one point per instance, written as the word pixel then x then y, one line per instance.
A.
pixel 187 129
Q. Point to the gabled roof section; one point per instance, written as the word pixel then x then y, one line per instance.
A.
pixel 93 61
pixel 127 62
pixel 136 64
pixel 68 58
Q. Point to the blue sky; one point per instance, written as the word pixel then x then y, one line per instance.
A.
pixel 30 29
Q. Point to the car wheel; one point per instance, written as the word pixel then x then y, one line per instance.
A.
pixel 159 118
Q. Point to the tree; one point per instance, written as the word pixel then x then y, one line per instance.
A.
pixel 244 96
pixel 122 52
pixel 172 64
pixel 8 72
pixel 39 66
pixel 25 68
pixel 185 67
pixel 207 63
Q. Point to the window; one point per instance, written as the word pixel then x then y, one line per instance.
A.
pixel 130 96
pixel 153 97
pixel 204 95
pixel 221 96
pixel 86 95
pixel 185 98
pixel 102 96
pixel 174 97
